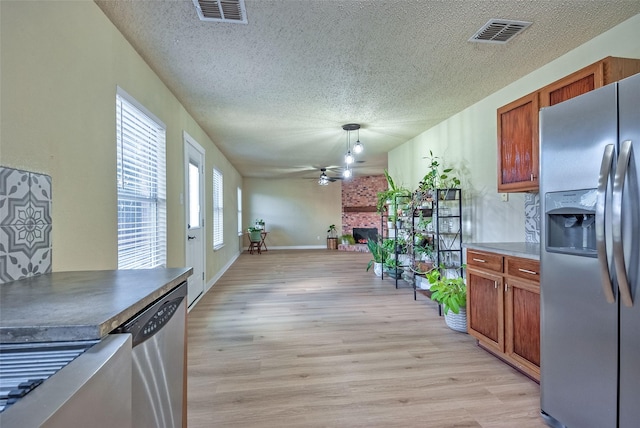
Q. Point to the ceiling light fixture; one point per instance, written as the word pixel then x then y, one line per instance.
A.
pixel 357 148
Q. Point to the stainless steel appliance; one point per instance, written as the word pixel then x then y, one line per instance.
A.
pixel 590 257
pixel 158 360
pixel 66 384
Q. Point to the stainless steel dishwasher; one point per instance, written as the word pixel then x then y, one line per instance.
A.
pixel 158 334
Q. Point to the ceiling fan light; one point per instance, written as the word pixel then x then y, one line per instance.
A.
pixel 348 158
pixel 358 147
pixel 346 173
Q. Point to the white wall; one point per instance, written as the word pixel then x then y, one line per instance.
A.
pixel 468 140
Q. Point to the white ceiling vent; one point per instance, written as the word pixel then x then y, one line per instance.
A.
pixel 221 10
pixel 499 31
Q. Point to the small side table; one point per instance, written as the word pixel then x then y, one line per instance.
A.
pixel 263 236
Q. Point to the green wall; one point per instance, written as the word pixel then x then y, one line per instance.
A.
pixel 60 64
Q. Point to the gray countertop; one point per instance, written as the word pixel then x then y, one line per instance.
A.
pixel 87 305
pixel 525 250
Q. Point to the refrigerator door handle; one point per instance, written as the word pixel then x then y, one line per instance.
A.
pixel 616 205
pixel 601 243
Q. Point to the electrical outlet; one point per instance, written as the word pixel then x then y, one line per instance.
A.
pixel 318 238
pixel 504 197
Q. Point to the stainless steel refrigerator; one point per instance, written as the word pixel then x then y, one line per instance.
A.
pixel 590 240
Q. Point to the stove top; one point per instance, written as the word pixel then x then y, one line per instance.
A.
pixel 25 366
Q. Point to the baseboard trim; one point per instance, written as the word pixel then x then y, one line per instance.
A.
pixel 215 279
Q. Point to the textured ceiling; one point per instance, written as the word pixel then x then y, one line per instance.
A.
pixel 274 93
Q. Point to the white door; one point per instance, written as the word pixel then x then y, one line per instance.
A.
pixel 194 214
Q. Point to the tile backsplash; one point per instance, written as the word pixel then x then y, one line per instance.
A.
pixel 25 224
pixel 532 217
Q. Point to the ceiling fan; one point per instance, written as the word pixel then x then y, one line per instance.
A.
pixel 325 179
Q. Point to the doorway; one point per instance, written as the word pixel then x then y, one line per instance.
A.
pixel 195 216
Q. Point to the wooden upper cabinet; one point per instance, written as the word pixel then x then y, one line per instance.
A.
pixel 518 137
pixel 518 145
pixel 603 72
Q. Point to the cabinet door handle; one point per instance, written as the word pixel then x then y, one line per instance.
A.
pixel 506 287
pixel 528 271
pixel 495 284
pixel 479 260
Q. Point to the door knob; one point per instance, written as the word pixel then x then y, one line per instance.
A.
pixel 189 237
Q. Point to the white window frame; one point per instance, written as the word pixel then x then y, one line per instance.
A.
pixel 218 209
pixel 141 185
pixel 239 211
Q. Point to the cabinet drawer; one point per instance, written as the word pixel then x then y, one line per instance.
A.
pixel 485 261
pixel 523 268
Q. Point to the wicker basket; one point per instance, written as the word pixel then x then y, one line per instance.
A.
pixel 457 322
pixel 332 243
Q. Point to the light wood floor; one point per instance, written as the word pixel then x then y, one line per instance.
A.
pixel 309 339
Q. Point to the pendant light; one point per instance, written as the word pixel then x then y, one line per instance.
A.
pixel 357 148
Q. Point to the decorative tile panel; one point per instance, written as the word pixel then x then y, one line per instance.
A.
pixel 25 224
pixel 532 217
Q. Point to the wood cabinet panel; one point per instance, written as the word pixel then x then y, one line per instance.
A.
pixel 503 308
pixel 518 144
pixel 578 83
pixel 596 75
pixel 522 324
pixel 518 137
pixel 523 268
pixel 486 261
pixel 485 305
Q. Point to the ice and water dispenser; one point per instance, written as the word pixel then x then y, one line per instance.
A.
pixel 571 221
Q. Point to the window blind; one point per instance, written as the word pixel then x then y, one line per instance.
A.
pixel 141 181
pixel 218 220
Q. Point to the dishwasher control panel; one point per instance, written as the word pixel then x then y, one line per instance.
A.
pixel 151 320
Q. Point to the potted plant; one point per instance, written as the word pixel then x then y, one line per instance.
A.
pixel 254 234
pixel 438 177
pixel 332 237
pixel 389 247
pixel 378 254
pixel 451 293
pixel 389 196
pixel 347 240
pixel 391 222
pixel 392 267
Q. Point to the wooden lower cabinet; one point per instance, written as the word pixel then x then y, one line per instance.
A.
pixel 485 308
pixel 503 308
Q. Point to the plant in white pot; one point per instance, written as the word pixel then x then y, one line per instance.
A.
pixel 378 256
pixel 451 293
